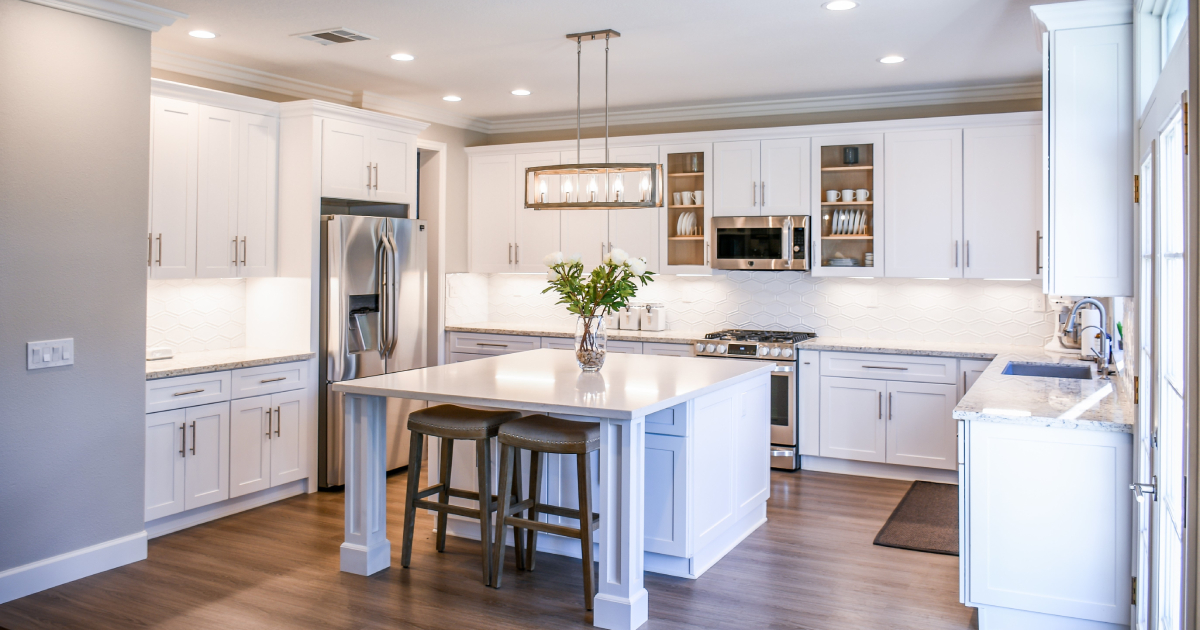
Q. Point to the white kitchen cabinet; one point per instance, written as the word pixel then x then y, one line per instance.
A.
pixel 366 163
pixel 666 494
pixel 535 232
pixel 668 349
pixel 613 346
pixel 258 187
pixel 837 232
pixel 172 234
pixel 971 371
pixel 289 442
pixel 688 168
pixel 1002 201
pixel 921 430
pixel 206 460
pixel 249 445
pixel 923 217
pixel 393 157
pixel 768 177
pixel 490 213
pixel 808 412
pixel 852 424
pixel 1088 109
pixel 165 450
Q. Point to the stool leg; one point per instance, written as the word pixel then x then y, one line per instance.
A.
pixel 585 527
pixel 416 444
pixel 535 493
pixel 444 495
pixel 483 466
pixel 504 496
pixel 518 532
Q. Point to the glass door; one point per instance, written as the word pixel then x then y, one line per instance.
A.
pixel 846 171
pixel 686 217
pixel 1144 369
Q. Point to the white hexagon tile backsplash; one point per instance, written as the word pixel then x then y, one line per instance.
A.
pixel 195 315
pixel 967 311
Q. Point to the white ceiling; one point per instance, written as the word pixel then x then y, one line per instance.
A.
pixel 671 51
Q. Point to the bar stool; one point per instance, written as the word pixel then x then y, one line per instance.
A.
pixel 540 435
pixel 451 422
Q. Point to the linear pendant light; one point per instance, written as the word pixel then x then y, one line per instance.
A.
pixel 594 186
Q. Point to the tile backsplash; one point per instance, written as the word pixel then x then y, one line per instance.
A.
pixel 967 311
pixel 194 315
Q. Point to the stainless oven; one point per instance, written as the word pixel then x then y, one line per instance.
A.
pixel 779 243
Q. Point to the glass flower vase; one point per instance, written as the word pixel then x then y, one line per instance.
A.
pixel 591 343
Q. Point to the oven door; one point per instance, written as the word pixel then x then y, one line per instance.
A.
pixel 760 243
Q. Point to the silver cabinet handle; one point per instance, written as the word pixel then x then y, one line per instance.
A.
pixel 193 437
pixel 884 367
pixel 235 251
pixel 601 252
pixel 190 391
pixel 278 424
pixel 706 252
pixel 518 257
pixel 377 176
pixel 159 261
pixel 183 440
pixel 272 380
pixel 243 251
pixel 1038 252
pixel 889 405
pixel 149 248
pixel 968 253
pixel 492 345
pixel 268 423
pixel 368 176
pixel 763 185
pixel 956 254
pixel 510 253
pixel 881 405
pixel 754 193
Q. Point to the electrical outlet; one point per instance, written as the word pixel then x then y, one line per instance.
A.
pixel 54 353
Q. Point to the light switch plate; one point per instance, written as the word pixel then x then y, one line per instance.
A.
pixel 44 354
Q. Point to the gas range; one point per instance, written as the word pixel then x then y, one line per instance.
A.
pixel 751 344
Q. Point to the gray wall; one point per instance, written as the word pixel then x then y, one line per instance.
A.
pixel 74 175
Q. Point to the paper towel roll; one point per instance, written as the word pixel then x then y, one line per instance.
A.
pixel 1089 328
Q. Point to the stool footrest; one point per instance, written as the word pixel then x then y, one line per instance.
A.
pixel 537 526
pixel 448 508
pixel 454 492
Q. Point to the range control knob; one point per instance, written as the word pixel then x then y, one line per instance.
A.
pixel 710 347
pixel 787 352
pixel 762 351
pixel 774 352
pixel 721 349
pixel 699 347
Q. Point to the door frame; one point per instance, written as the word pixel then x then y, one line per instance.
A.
pixel 434 196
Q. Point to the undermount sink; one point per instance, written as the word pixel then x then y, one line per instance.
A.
pixel 1048 370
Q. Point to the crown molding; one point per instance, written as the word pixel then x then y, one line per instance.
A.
pixel 216 98
pixel 128 12
pixel 776 107
pixel 409 109
pixel 323 109
pixel 1081 14
pixel 246 77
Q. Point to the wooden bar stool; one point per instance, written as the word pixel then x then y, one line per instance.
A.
pixel 451 422
pixel 540 435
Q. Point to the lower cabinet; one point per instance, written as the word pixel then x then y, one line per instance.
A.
pixel 852 424
pixel 187 459
pixel 920 425
pixel 666 494
pixel 267 442
pixel 971 371
pixel 470 346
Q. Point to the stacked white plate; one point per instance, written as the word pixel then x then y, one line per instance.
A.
pixel 848 222
pixel 686 225
pixel 843 262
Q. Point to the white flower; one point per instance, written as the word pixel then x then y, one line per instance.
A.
pixel 618 256
pixel 574 258
pixel 637 266
pixel 553 259
pixel 551 275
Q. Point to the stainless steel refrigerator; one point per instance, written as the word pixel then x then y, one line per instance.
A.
pixel 373 321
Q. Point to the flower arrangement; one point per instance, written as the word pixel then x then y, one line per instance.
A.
pixel 608 287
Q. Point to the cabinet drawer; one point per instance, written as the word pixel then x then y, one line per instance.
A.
pixel 269 379
pixel 187 391
pixel 670 421
pixel 558 343
pixel 668 349
pixel 492 344
pixel 568 343
pixel 891 367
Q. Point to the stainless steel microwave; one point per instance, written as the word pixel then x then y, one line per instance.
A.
pixel 779 243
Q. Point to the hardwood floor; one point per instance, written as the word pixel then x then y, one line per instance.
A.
pixel 811 566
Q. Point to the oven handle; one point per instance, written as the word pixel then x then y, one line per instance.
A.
pixel 783 368
pixel 775 453
pixel 787 242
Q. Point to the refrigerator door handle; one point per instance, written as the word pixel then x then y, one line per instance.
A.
pixel 393 292
pixel 382 273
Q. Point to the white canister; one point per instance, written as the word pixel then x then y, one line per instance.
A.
pixel 1089 327
pixel 627 319
pixel 610 321
pixel 655 317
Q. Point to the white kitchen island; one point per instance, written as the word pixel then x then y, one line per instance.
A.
pixel 720 408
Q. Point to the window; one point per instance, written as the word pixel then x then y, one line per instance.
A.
pixel 1174 18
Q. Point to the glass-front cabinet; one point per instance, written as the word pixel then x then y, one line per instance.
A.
pixel 686 219
pixel 847 205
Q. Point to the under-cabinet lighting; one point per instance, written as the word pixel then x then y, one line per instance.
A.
pixel 840 5
pixel 891 59
pixel 403 57
pixel 452 98
pixel 520 92
pixel 203 34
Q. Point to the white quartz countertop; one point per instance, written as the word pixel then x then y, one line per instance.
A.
pixel 1094 405
pixel 550 381
pixel 544 330
pixel 186 363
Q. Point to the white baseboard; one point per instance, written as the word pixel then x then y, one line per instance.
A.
pixel 37 576
pixel 183 520
pixel 873 469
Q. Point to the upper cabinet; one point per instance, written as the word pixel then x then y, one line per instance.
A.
pixel 365 163
pixel 761 178
pixel 490 193
pixel 847 169
pixel 685 222
pixel 1002 201
pixel 172 235
pixel 1087 246
pixel 923 217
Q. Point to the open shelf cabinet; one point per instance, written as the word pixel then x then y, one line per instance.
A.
pixel 846 229
pixel 686 251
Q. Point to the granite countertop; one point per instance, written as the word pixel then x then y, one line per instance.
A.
pixel 544 330
pixel 186 363
pixel 1094 405
pixel 911 348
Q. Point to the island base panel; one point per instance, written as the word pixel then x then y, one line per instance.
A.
pixel 366 549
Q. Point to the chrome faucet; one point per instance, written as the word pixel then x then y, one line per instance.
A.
pixel 1105 355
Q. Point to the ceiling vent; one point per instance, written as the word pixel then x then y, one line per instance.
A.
pixel 339 35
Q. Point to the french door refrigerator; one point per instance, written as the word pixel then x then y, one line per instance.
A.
pixel 373 314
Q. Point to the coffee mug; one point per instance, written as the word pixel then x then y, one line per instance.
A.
pixel 698 197
pixel 847 195
pixel 676 198
pixel 686 196
pixel 862 194
pixel 832 196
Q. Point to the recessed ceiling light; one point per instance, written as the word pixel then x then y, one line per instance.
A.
pixel 403 57
pixel 203 34
pixel 520 92
pixel 452 98
pixel 891 59
pixel 840 5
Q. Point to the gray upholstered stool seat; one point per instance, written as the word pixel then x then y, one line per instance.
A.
pixel 540 435
pixel 449 423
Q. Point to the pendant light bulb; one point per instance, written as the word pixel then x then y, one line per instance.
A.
pixel 619 188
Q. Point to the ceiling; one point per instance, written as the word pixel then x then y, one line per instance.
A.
pixel 671 52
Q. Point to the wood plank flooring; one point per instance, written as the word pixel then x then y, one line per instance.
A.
pixel 811 566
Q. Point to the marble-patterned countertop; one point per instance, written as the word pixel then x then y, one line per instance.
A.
pixel 186 363
pixel 911 348
pixel 544 330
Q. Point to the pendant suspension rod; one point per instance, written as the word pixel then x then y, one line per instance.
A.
pixel 606 98
pixel 578 83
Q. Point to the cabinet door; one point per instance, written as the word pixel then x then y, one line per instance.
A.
pixel 249 445
pixel 808 411
pixel 971 371
pixel 393 157
pixel 921 430
pixel 1002 201
pixel 686 253
pixel 735 179
pixel 1091 149
pixel 668 349
pixel 666 494
pixel 490 213
pixel 217 194
pixel 785 176
pixel 923 223
pixel 257 205
pixel 289 441
pixel 206 460
pixel 344 161
pixel 852 424
pixel 635 231
pixel 164 463
pixel 536 231
pixel 585 232
pixel 173 140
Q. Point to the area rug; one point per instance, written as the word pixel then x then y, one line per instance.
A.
pixel 926 520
